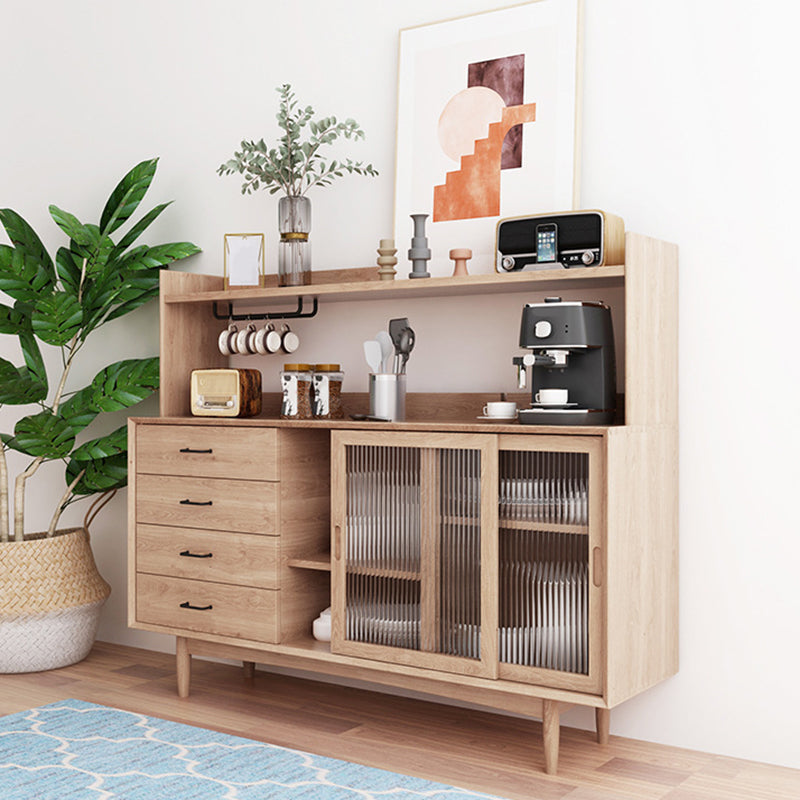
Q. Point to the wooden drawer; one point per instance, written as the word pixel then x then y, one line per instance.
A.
pixel 208 451
pixel 239 611
pixel 210 503
pixel 239 558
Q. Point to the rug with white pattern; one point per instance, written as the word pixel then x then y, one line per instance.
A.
pixel 74 750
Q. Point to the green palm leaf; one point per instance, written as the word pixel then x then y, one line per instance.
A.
pixel 100 475
pixel 23 273
pixel 104 447
pixel 136 231
pixel 43 435
pixel 18 386
pixel 127 195
pixel 79 410
pixel 11 320
pixel 125 383
pixel 57 318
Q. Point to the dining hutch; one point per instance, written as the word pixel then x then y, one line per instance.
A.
pixel 522 568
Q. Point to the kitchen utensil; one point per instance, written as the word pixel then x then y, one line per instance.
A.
pixel 372 352
pixel 396 327
pixel 407 339
pixel 387 348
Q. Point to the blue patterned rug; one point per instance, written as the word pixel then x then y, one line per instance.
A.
pixel 80 751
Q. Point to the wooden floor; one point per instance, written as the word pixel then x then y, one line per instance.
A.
pixel 482 751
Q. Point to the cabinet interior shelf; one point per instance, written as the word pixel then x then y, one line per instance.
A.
pixel 539 525
pixel 378 572
pixel 493 283
pixel 321 562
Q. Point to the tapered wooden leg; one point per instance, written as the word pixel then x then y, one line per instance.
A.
pixel 602 723
pixel 249 669
pixel 183 665
pixel 551 730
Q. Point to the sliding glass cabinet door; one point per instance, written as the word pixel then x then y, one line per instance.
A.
pixel 414 518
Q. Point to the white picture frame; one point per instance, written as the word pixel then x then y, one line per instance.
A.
pixel 243 260
pixel 535 49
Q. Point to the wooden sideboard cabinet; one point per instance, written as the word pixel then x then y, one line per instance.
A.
pixel 522 568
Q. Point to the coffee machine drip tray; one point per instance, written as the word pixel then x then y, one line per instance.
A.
pixel 565 416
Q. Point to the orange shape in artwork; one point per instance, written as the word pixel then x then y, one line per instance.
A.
pixel 474 190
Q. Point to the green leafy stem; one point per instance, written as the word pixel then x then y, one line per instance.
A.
pixel 295 165
pixel 60 302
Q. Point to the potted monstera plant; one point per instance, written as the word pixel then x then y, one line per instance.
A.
pixel 50 590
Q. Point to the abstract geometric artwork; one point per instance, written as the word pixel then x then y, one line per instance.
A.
pixel 487 125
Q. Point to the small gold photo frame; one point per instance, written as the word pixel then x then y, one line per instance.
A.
pixel 243 260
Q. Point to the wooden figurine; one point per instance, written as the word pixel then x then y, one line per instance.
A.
pixel 460 256
pixel 386 260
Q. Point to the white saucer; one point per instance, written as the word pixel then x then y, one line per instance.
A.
pixel 498 419
pixel 554 406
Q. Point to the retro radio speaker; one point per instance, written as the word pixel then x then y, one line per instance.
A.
pixel 550 241
pixel 226 392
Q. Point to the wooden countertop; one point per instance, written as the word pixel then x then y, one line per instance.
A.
pixel 436 412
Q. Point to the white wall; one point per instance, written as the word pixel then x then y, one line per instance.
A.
pixel 686 135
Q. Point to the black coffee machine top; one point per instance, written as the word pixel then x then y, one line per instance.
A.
pixel 573 369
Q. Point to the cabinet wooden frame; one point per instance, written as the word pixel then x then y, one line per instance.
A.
pixel 633 467
pixel 427 444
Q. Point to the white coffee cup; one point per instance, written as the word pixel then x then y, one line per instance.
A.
pixel 245 343
pixel 500 408
pixel 551 397
pixel 226 341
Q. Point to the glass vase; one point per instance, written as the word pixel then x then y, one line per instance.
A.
pixel 294 250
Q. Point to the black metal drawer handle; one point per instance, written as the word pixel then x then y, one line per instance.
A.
pixel 187 604
pixel 195 503
pixel 192 450
pixel 188 554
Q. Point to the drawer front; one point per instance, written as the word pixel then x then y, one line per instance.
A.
pixel 208 451
pixel 209 503
pixel 239 558
pixel 239 611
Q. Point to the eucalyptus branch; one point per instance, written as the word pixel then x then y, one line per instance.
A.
pixel 295 165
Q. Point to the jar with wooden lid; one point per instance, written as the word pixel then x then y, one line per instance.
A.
pixel 296 388
pixel 327 392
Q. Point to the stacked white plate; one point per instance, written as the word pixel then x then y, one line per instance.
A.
pixel 557 500
pixel 550 612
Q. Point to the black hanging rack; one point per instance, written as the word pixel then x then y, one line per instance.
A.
pixel 299 313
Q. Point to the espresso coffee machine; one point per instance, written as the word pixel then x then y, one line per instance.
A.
pixel 571 347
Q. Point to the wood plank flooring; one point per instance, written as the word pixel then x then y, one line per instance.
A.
pixel 476 750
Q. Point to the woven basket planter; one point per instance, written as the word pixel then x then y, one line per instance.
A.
pixel 51 595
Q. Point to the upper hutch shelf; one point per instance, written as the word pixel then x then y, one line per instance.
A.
pixel 354 287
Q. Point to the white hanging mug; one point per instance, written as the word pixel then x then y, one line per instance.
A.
pixel 290 341
pixel 226 341
pixel 244 340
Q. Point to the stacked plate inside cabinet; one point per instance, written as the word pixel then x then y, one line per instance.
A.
pixel 549 604
pixel 556 500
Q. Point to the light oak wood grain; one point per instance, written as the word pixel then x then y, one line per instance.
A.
pixel 208 451
pixel 500 755
pixel 220 557
pixel 213 503
pixel 237 611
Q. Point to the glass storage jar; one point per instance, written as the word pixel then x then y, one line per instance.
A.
pixel 296 388
pixel 327 393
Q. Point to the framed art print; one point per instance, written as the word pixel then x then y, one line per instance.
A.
pixel 243 260
pixel 487 125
